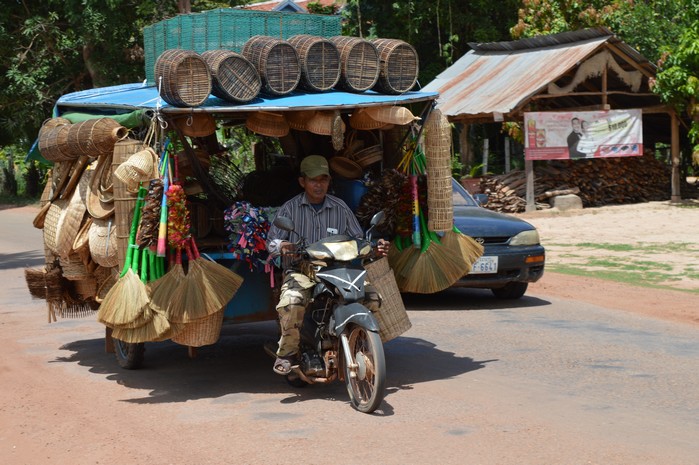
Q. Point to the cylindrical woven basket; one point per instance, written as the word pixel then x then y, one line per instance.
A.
pixel 439 188
pixel 276 61
pixel 53 144
pixel 392 317
pixel 124 200
pixel 391 114
pixel 233 77
pixel 94 137
pixel 399 66
pixel 86 288
pixel 267 124
pixel 183 78
pixel 319 60
pixel 103 242
pixel 64 218
pixel 202 332
pixel 359 63
pixel 362 121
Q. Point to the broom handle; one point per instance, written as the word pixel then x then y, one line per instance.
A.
pixel 416 210
pixel 134 227
pixel 162 229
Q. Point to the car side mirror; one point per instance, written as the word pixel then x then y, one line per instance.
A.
pixel 481 199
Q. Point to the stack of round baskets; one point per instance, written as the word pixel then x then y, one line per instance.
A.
pixel 276 61
pixel 359 63
pixel 399 66
pixel 234 78
pixel 319 60
pixel 182 77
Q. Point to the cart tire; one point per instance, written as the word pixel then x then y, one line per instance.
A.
pixel 129 356
pixel 367 388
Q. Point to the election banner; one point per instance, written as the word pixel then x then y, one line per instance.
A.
pixel 583 134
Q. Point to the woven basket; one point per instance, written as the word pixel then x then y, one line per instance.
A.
pixel 53 144
pixel 81 239
pixel 124 200
pixel 277 63
pixel 202 332
pixel 196 124
pixel 392 317
pixel 323 123
pixel 298 119
pixel 319 60
pixel 100 195
pixel 106 278
pixel 439 187
pixel 64 218
pixel 233 77
pixel 140 167
pixel 362 121
pixel 103 242
pixel 200 219
pixel 359 63
pixel 94 137
pixel 345 167
pixel 391 115
pixel 368 156
pixel 183 78
pixel 184 165
pixel 73 267
pixel 86 288
pixel 267 124
pixel 399 66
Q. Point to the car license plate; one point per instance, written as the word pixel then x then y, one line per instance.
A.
pixel 485 265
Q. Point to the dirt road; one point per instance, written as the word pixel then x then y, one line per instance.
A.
pixel 64 401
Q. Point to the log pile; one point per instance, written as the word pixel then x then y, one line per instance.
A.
pixel 598 182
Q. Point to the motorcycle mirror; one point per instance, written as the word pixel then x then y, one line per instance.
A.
pixel 287 224
pixel 378 218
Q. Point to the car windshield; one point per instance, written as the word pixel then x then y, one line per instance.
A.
pixel 461 197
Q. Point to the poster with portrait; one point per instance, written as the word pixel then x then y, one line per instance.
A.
pixel 582 134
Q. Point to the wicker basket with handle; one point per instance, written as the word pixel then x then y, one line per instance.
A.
pixel 392 317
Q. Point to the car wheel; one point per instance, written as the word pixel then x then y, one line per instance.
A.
pixel 512 290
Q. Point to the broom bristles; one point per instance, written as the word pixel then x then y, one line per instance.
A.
pixel 125 302
pixel 221 283
pixel 36 282
pixel 459 242
pixel 151 331
pixel 435 270
pixel 161 290
pixel 188 302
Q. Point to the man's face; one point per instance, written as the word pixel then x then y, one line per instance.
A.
pixel 576 125
pixel 315 188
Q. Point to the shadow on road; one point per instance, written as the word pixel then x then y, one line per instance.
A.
pixel 459 299
pixel 237 365
pixel 10 261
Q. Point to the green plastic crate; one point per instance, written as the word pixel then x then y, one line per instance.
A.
pixel 228 29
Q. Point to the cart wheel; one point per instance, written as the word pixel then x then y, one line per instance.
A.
pixel 129 356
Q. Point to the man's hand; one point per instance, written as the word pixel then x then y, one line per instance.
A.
pixel 287 248
pixel 382 246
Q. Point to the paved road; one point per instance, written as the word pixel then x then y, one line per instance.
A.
pixel 476 381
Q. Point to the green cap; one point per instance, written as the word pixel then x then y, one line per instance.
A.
pixel 314 165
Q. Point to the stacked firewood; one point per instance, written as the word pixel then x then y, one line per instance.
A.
pixel 597 182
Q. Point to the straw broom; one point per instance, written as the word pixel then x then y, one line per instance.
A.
pixel 220 282
pixel 469 249
pixel 127 300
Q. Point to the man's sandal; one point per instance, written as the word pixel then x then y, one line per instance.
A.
pixel 283 365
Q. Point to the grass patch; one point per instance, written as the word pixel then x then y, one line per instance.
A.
pixel 602 246
pixel 636 279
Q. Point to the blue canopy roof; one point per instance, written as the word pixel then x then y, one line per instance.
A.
pixel 128 97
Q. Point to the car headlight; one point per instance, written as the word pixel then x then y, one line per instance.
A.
pixel 530 237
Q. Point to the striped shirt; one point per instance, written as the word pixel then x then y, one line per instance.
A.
pixel 334 217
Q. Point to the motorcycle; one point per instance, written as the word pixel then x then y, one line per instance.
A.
pixel 340 336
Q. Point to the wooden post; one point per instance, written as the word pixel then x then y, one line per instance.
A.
pixel 486 144
pixel 529 173
pixel 464 146
pixel 675 194
pixel 507 154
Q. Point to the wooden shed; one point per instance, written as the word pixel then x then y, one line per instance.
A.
pixel 586 70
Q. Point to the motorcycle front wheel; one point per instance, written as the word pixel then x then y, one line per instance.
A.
pixel 366 379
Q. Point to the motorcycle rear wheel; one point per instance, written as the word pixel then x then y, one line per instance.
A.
pixel 367 387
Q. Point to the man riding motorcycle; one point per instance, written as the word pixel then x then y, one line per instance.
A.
pixel 316 215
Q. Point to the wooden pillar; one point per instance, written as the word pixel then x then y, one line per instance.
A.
pixel 486 149
pixel 675 194
pixel 464 146
pixel 507 154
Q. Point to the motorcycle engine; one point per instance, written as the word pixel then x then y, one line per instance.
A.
pixel 312 365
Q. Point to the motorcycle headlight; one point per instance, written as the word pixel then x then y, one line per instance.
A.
pixel 530 237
